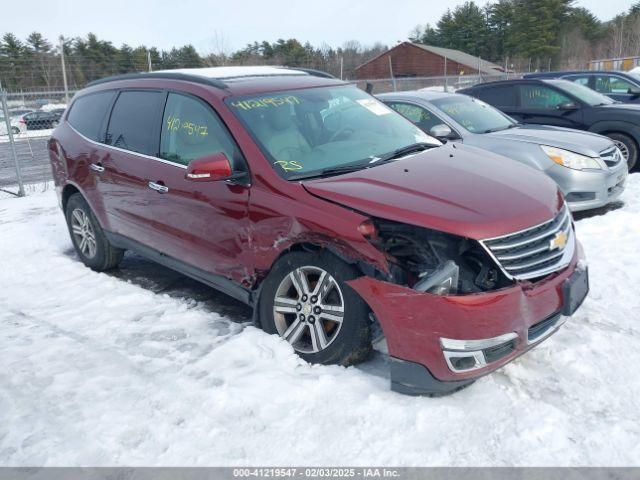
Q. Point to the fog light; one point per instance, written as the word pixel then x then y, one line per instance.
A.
pixel 464 361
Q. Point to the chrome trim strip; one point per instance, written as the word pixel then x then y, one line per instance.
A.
pixel 564 261
pixel 471 345
pixel 137 154
pixel 517 232
pixel 561 226
pixel 535 262
pixel 550 331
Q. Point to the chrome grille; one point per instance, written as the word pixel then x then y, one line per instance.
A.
pixel 536 251
pixel 611 156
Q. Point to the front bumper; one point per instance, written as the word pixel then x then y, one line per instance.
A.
pixel 415 323
pixel 585 190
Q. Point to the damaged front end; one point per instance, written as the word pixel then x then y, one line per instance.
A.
pixel 448 311
pixel 436 262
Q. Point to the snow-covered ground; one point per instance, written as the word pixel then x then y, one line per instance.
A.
pixel 99 370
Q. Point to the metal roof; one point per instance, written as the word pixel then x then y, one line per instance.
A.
pixel 463 58
pixel 486 68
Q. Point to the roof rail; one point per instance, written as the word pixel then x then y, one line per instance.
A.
pixel 312 71
pixel 161 75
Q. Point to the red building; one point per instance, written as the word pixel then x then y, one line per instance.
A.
pixel 418 60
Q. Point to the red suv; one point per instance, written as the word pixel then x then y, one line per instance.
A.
pixel 325 210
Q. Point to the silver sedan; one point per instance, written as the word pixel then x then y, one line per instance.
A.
pixel 589 168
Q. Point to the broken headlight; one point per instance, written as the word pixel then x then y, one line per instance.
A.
pixel 436 262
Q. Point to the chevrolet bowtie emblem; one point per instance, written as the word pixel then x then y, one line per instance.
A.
pixel 558 242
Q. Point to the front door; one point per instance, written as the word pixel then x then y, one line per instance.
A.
pixel 542 105
pixel 203 224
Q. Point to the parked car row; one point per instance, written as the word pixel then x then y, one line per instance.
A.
pixel 334 216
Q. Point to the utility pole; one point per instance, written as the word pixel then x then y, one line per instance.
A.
pixel 393 79
pixel 64 71
pixel 149 60
pixel 341 67
pixel 445 74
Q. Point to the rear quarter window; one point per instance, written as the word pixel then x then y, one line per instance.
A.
pixel 88 113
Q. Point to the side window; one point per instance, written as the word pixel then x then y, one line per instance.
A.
pixel 611 84
pixel 191 130
pixel 420 116
pixel 538 96
pixel 503 96
pixel 583 80
pixel 87 114
pixel 132 125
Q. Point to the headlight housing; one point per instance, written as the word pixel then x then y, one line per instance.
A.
pixel 570 159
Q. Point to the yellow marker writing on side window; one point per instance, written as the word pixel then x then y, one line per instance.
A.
pixel 174 124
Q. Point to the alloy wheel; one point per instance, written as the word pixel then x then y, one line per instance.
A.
pixel 623 149
pixel 83 233
pixel 308 309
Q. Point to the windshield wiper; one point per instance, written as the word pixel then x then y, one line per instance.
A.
pixel 401 152
pixel 499 129
pixel 326 172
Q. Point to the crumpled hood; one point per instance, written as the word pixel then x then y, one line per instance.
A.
pixel 454 188
pixel 585 143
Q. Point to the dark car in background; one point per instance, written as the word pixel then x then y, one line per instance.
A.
pixel 620 86
pixel 40 120
pixel 565 104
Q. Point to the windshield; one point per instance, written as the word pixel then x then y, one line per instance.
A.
pixel 588 96
pixel 304 132
pixel 473 114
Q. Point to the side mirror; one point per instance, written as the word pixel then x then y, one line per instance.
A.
pixel 441 132
pixel 567 106
pixel 211 168
pixel 634 92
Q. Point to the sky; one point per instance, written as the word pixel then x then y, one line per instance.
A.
pixel 213 26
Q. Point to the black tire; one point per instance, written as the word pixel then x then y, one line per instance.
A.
pixel 352 342
pixel 105 256
pixel 15 130
pixel 630 145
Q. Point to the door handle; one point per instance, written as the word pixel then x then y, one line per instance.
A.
pixel 96 167
pixel 158 187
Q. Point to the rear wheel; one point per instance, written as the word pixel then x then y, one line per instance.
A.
pixel 15 130
pixel 306 301
pixel 627 146
pixel 88 238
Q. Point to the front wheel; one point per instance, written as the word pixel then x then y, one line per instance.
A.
pixel 627 147
pixel 306 301
pixel 15 130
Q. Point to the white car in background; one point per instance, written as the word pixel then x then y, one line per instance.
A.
pixel 16 126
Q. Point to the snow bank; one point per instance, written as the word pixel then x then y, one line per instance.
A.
pixel 99 371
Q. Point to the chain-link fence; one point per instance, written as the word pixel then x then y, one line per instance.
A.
pixel 27 119
pixel 26 122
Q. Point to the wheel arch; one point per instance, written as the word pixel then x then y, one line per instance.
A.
pixel 345 254
pixel 624 128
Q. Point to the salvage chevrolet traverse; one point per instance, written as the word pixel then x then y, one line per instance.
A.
pixel 295 193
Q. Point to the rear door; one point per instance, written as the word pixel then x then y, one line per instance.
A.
pixel 503 97
pixel 133 137
pixel 203 224
pixel 541 104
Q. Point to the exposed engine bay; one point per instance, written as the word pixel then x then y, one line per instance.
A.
pixel 436 262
